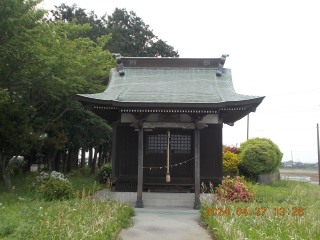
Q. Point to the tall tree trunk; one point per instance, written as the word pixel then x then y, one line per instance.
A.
pixel 108 157
pixel 70 153
pixel 90 158
pixel 57 161
pixel 51 160
pixel 7 180
pixel 75 158
pixel 94 161
pixel 64 161
pixel 105 154
pixel 6 170
pixel 26 168
pixel 83 162
pixel 33 156
pixel 100 157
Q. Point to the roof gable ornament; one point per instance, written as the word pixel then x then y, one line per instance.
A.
pixel 117 56
pixel 221 63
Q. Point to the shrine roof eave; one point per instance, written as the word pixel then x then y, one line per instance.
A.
pixel 112 103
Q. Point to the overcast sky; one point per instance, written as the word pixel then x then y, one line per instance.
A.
pixel 274 52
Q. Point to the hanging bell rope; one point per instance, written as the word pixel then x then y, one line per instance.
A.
pixel 168 157
pixel 172 165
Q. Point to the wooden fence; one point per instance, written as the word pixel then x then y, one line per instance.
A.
pixel 269 178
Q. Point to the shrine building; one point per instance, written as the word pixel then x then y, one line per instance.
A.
pixel 167 116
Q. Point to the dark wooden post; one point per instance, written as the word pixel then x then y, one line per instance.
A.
pixel 113 150
pixel 139 203
pixel 197 202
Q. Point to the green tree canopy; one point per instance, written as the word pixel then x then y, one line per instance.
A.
pixel 43 65
pixel 259 156
pixel 131 37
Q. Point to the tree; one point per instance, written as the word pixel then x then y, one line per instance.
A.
pixel 130 35
pixel 67 14
pixel 16 134
pixel 55 141
pixel 259 156
pixel 17 19
pixel 230 162
pixel 85 130
pixel 42 67
pixel 307 165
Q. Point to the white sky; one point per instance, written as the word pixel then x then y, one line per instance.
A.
pixel 274 52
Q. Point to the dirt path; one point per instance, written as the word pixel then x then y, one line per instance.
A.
pixel 313 174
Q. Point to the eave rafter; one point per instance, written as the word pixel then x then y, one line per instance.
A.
pixel 150 110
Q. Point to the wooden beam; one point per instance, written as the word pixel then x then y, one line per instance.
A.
pixel 139 202
pixel 170 125
pixel 197 202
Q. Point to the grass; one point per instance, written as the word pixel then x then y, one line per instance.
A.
pixel 283 195
pixel 25 215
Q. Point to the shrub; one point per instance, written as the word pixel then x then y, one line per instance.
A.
pixel 57 189
pixel 234 190
pixel 16 170
pixel 105 173
pixel 230 162
pixel 259 156
pixel 44 177
pixel 232 149
pixel 54 186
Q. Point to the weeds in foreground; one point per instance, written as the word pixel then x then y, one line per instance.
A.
pixel 284 210
pixel 26 215
pixel 74 219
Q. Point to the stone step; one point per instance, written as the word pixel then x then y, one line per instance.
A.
pixel 168 203
pixel 152 199
pixel 169 196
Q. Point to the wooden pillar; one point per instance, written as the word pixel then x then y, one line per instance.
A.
pixel 139 203
pixel 113 150
pixel 197 202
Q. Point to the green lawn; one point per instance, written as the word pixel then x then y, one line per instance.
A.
pixel 25 215
pixel 291 211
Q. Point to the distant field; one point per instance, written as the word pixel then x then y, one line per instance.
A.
pixel 312 173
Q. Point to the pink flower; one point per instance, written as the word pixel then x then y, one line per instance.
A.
pixel 238 177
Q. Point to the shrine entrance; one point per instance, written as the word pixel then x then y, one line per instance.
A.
pixel 180 160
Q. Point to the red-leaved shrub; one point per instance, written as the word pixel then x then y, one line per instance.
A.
pixel 234 190
pixel 234 150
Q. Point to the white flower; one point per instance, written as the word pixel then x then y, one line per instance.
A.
pixel 0 204
pixel 40 208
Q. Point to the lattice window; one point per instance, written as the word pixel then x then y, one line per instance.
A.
pixel 180 143
pixel 157 143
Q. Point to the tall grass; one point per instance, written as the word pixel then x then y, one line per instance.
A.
pixel 25 215
pixel 283 194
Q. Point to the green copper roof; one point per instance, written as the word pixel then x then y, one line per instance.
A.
pixel 170 85
pixel 152 84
